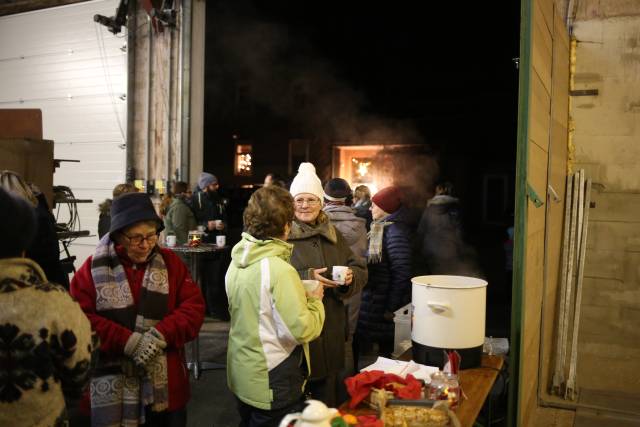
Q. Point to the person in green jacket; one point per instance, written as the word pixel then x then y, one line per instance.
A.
pixel 180 219
pixel 272 317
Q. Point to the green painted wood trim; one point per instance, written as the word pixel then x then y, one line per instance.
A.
pixel 519 246
pixel 533 196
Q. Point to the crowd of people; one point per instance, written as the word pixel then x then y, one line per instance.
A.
pixel 112 350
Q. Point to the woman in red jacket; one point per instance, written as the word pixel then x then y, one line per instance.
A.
pixel 144 306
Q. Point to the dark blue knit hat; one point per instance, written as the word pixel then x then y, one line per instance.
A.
pixel 18 224
pixel 131 208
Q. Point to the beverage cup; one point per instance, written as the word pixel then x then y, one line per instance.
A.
pixel 171 241
pixel 218 223
pixel 221 241
pixel 339 273
pixel 201 228
pixel 310 285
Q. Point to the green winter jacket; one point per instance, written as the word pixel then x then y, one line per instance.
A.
pixel 272 322
pixel 179 220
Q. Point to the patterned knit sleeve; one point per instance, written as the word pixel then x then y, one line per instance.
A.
pixel 72 345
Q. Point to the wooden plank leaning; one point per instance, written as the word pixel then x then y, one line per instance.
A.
pixel 571 261
pixel 558 371
pixel 571 389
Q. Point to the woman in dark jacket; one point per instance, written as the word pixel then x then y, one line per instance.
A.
pixel 389 265
pixel 317 248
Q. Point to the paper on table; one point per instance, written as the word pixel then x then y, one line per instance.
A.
pixel 401 369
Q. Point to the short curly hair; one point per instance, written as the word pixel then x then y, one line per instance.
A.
pixel 269 210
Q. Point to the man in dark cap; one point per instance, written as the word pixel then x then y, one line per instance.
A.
pixel 211 211
pixel 44 335
pixel 144 306
pixel 210 207
pixel 338 198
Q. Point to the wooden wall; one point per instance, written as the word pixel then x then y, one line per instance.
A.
pixel 546 142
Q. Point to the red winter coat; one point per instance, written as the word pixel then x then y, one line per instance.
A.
pixel 180 325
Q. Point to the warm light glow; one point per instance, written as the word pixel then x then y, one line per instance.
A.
pixel 244 160
pixel 244 163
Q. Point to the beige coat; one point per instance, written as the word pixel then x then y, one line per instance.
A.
pixel 318 246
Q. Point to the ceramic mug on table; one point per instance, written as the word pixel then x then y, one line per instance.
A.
pixel 339 273
pixel 171 241
pixel 221 241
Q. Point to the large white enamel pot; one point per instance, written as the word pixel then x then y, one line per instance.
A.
pixel 448 314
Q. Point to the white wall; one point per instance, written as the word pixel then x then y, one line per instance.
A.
pixel 60 61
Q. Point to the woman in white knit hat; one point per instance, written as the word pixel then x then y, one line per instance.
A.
pixel 317 248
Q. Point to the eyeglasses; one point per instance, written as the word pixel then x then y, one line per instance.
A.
pixel 139 238
pixel 310 202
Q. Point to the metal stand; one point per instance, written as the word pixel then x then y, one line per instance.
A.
pixel 195 254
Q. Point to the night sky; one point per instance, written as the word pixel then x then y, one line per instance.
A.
pixel 446 67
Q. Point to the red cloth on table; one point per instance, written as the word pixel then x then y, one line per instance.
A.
pixel 369 421
pixel 359 386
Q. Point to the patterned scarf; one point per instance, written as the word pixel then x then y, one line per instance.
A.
pixel 118 399
pixel 375 240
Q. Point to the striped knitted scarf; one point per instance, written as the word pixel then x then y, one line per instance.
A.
pixel 375 241
pixel 119 398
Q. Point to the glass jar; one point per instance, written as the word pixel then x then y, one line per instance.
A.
pixel 452 389
pixel 436 386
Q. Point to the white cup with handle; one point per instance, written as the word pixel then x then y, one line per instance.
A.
pixel 171 241
pixel 221 241
pixel 339 273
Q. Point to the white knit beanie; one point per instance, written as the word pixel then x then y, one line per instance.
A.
pixel 306 181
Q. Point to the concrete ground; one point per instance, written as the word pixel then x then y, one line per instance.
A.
pixel 212 404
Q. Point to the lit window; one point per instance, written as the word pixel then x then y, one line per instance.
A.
pixel 244 160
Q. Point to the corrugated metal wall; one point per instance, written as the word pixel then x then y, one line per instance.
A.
pixel 75 71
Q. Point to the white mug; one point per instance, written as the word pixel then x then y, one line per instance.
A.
pixel 339 273
pixel 201 228
pixel 171 241
pixel 221 241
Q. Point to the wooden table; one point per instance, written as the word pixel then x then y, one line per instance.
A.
pixel 476 383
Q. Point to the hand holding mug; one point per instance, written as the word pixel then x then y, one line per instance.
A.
pixel 348 279
pixel 317 275
pixel 219 224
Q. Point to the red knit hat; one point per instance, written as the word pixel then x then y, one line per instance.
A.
pixel 388 199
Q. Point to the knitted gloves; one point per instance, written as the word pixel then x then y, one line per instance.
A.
pixel 142 348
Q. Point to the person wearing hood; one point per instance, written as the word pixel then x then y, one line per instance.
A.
pixel 44 335
pixel 210 207
pixel 144 307
pixel 389 263
pixel 179 219
pixel 317 248
pixel 440 232
pixel 337 199
pixel 273 319
pixel 104 220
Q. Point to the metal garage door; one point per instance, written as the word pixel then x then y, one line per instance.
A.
pixel 74 70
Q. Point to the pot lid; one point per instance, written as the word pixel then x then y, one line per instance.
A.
pixel 449 282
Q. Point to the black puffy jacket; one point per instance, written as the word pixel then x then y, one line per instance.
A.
pixel 389 286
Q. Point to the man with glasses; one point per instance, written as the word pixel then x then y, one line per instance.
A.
pixel 144 306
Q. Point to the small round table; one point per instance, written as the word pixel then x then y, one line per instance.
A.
pixel 195 255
